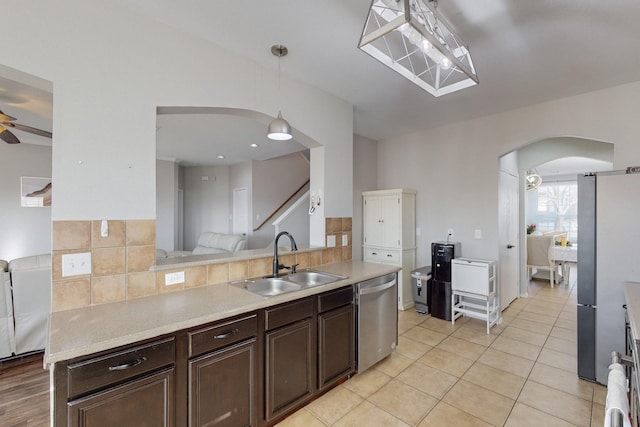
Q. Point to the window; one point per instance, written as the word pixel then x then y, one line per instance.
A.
pixel 553 207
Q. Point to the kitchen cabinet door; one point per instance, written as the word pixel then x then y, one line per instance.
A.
pixel 336 345
pixel 144 402
pixel 290 366
pixel 223 387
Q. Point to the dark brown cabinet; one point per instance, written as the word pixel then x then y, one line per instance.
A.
pixel 223 383
pixel 290 362
pixel 131 386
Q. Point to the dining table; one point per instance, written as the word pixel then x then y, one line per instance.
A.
pixel 564 256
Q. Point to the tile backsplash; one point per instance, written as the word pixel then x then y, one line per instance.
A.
pixel 121 262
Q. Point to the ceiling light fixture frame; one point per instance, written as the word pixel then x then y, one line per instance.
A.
pixel 279 129
pixel 413 39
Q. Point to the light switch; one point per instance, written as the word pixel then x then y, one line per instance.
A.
pixel 345 240
pixel 331 241
pixel 76 264
pixel 477 234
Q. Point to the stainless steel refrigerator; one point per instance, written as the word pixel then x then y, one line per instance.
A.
pixel 608 256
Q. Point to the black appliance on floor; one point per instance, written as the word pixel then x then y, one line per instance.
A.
pixel 441 255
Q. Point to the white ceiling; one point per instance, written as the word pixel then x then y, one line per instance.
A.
pixel 525 52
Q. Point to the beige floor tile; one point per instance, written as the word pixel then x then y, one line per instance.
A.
pixel 567 324
pixel 367 414
pixel 404 326
pixel 540 318
pixel 444 415
pixel 394 364
pixel 403 402
pixel 526 416
pixel 445 361
pixel 333 405
pixel 499 381
pixel 544 308
pixel 597 415
pixel 481 325
pixel 411 316
pixel 561 345
pixel 565 334
pixel 557 403
pixel 475 335
pixel 427 379
pixel 367 383
pixel 301 418
pixel 479 402
pixel 462 347
pixel 424 335
pixel 517 348
pixel 561 380
pixel 599 394
pixel 411 348
pixel 442 326
pixel 531 326
pixel 507 362
pixel 558 360
pixel 515 333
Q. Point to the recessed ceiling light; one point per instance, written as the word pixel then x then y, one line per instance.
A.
pixel 254 145
pixel 221 157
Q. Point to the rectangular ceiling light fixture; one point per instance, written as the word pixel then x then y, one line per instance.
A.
pixel 410 37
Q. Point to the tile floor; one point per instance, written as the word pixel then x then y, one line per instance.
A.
pixel 522 374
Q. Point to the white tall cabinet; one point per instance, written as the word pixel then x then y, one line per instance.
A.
pixel 389 218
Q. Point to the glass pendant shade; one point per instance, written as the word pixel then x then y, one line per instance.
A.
pixel 279 129
pixel 411 38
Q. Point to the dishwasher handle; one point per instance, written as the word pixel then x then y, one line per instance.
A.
pixel 376 289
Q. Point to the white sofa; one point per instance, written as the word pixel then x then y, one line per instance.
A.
pixel 28 300
pixel 7 336
pixel 210 243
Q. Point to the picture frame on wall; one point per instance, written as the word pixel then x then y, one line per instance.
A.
pixel 35 192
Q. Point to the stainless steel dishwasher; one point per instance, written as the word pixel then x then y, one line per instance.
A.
pixel 377 319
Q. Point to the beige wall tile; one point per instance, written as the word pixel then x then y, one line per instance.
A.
pixel 217 273
pixel 315 258
pixel 115 237
pixel 56 264
pixel 71 235
pixel 141 284
pixel 108 289
pixel 287 260
pixel 238 270
pixel 68 294
pixel 303 260
pixel 195 276
pixel 333 225
pixel 141 232
pixel 108 261
pixel 347 253
pixel 260 267
pixel 140 258
pixel 346 223
pixel 331 255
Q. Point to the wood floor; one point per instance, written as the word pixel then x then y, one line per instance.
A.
pixel 24 392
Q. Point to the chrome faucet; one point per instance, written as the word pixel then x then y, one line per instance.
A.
pixel 276 262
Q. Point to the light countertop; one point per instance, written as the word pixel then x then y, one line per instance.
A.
pixel 88 330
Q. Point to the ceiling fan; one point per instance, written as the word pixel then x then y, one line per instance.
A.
pixel 7 136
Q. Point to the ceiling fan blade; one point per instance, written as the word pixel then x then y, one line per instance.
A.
pixel 7 136
pixel 29 129
pixel 5 118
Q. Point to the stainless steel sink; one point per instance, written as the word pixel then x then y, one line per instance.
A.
pixel 272 286
pixel 313 278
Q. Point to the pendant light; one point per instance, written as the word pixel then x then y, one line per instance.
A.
pixel 279 129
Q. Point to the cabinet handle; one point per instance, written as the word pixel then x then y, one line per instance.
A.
pixel 374 253
pixel 225 335
pixel 128 365
pixel 389 255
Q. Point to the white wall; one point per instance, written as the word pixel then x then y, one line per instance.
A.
pixel 365 177
pixel 166 205
pixel 111 69
pixel 23 231
pixel 240 176
pixel 455 168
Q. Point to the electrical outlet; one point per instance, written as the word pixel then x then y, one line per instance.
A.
pixel 76 264
pixel 477 233
pixel 345 240
pixel 174 278
pixel 331 241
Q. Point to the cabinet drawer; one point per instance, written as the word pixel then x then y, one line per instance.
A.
pixel 288 313
pixel 222 334
pixel 113 368
pixel 334 299
pixel 382 255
